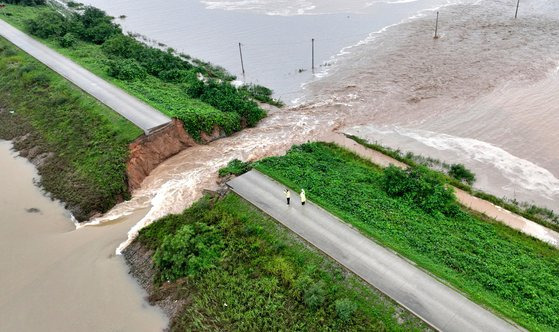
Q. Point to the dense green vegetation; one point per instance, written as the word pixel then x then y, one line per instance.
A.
pixel 541 215
pixel 199 94
pixel 241 271
pixel 88 142
pixel 26 2
pixel 235 167
pixel 495 265
pixel 461 173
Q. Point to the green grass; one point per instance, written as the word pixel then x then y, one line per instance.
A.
pixel 88 140
pixel 239 270
pixel 494 265
pixel 540 215
pixel 170 97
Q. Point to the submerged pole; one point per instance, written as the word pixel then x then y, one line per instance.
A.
pixel 437 26
pixel 242 63
pixel 516 13
pixel 312 42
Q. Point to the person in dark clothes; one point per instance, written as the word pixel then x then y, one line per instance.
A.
pixel 287 195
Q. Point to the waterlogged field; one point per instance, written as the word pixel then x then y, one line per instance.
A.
pixel 167 81
pixel 241 271
pixel 415 215
pixel 83 144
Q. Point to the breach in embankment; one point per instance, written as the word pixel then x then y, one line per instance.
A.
pixel 88 156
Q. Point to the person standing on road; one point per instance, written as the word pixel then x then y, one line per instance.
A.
pixel 287 195
pixel 303 197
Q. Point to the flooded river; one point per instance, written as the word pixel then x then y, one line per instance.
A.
pixel 484 94
pixel 55 278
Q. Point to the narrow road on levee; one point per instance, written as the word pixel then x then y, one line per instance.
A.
pixel 437 304
pixel 136 111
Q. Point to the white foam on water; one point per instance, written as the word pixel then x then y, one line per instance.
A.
pixel 519 172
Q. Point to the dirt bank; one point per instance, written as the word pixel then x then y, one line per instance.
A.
pixel 138 258
pixel 148 151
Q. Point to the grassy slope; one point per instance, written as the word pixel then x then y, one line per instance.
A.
pixel 493 264
pixel 169 98
pixel 543 216
pixel 89 141
pixel 269 280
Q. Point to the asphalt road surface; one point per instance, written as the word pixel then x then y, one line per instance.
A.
pixel 136 111
pixel 437 304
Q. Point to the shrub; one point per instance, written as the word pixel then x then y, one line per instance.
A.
pixel 235 167
pixel 177 75
pixel 72 4
pixel 192 250
pixel 97 26
pixel 26 2
pixel 262 94
pixel 47 25
pixel 345 308
pixel 121 46
pixel 315 295
pixel 126 70
pixel 227 98
pixel 461 173
pixel 68 40
pixel 422 187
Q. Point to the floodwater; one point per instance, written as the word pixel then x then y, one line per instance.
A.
pixel 484 94
pixel 275 35
pixel 55 278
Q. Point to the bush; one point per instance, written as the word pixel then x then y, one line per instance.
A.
pixel 26 2
pixel 192 250
pixel 121 46
pixel 345 308
pixel 126 70
pixel 262 94
pixel 72 4
pixel 68 40
pixel 97 26
pixel 227 98
pixel 422 187
pixel 178 75
pixel 315 295
pixel 235 167
pixel 47 25
pixel 461 173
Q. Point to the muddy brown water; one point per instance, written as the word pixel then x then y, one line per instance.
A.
pixel 57 278
pixel 483 94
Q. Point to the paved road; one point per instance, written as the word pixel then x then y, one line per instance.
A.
pixel 437 304
pixel 137 112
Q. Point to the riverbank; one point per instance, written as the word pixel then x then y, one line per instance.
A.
pixel 238 269
pixel 414 213
pixel 199 94
pixel 79 146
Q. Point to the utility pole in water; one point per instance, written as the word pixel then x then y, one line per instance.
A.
pixel 312 42
pixel 242 63
pixel 437 26
pixel 516 13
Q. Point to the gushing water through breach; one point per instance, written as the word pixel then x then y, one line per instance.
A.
pixel 402 77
